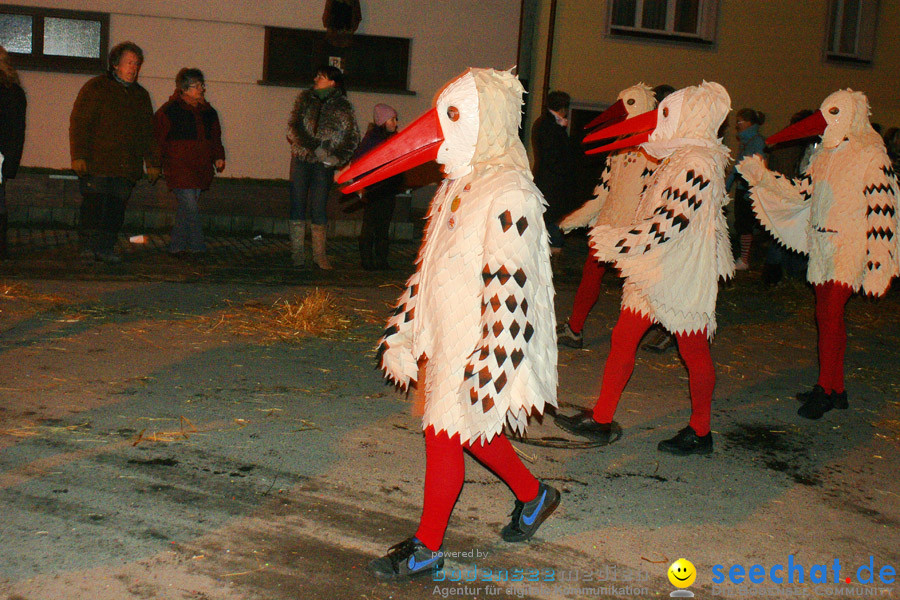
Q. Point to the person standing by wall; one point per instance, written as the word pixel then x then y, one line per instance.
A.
pixel 111 138
pixel 555 163
pixel 380 198
pixel 323 134
pixel 12 135
pixel 747 123
pixel 189 135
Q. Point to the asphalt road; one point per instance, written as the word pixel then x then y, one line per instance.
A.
pixel 149 449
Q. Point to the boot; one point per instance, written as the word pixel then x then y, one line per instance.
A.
pixel 4 225
pixel 297 230
pixel 318 247
pixel 366 244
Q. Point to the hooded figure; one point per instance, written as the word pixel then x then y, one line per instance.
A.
pixel 614 204
pixel 842 212
pixel 478 311
pixel 671 258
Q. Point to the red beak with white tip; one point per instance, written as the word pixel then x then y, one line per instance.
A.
pixel 637 129
pixel 416 144
pixel 812 125
pixel 612 115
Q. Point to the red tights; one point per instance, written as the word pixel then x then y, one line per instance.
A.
pixel 445 470
pixel 694 349
pixel 831 298
pixel 588 291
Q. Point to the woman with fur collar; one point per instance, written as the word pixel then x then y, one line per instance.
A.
pixel 323 134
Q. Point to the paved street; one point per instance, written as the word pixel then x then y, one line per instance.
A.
pixel 152 445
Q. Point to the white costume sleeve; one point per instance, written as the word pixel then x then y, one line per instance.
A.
pixel 508 365
pixel 395 354
pixel 781 204
pixel 587 214
pixel 882 248
pixel 679 201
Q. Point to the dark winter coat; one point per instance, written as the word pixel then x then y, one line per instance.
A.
pixel 12 128
pixel 111 128
pixel 323 131
pixel 555 165
pixel 190 142
pixel 390 187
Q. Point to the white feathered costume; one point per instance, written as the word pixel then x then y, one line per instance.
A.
pixel 480 304
pixel 623 178
pixel 843 210
pixel 673 257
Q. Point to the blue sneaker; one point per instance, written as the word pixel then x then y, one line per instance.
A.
pixel 410 558
pixel 528 516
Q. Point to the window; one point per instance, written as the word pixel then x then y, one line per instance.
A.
pixel 55 40
pixel 371 63
pixel 852 26
pixel 679 20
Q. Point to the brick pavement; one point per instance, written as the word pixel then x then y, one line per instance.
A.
pixel 53 253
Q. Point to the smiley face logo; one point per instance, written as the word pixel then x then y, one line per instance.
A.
pixel 682 573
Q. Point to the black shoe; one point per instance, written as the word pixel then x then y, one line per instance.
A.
pixel 410 558
pixel 839 399
pixel 816 403
pixel 528 516
pixel 567 337
pixel 659 340
pixel 584 425
pixel 109 257
pixel 817 390
pixel 687 442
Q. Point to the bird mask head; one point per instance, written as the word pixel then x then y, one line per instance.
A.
pixel 474 124
pixel 844 115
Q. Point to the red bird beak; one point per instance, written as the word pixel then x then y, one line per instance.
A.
pixel 612 115
pixel 638 130
pixel 416 144
pixel 812 125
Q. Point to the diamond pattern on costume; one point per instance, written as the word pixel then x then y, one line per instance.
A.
pixel 394 354
pixel 882 248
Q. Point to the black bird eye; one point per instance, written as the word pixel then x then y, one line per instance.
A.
pixel 834 110
pixel 630 102
pixel 452 113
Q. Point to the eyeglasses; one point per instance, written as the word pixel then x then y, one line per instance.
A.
pixel 198 85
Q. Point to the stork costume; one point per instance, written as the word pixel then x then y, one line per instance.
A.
pixel 843 213
pixel 614 203
pixel 671 259
pixel 479 307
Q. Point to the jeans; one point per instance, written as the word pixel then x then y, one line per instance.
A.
pixel 309 188
pixel 103 202
pixel 187 231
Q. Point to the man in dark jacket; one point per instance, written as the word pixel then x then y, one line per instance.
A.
pixel 555 163
pixel 12 134
pixel 111 137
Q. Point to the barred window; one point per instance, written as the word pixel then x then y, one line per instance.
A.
pixel 46 39
pixel 852 26
pixel 679 20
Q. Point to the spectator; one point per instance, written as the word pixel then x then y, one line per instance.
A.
pixel 323 134
pixel 747 123
pixel 787 159
pixel 111 137
pixel 190 140
pixel 12 135
pixel 555 161
pixel 380 198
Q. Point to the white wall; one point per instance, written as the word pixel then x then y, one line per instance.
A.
pixel 225 40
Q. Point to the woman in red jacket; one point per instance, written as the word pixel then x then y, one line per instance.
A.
pixel 190 139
